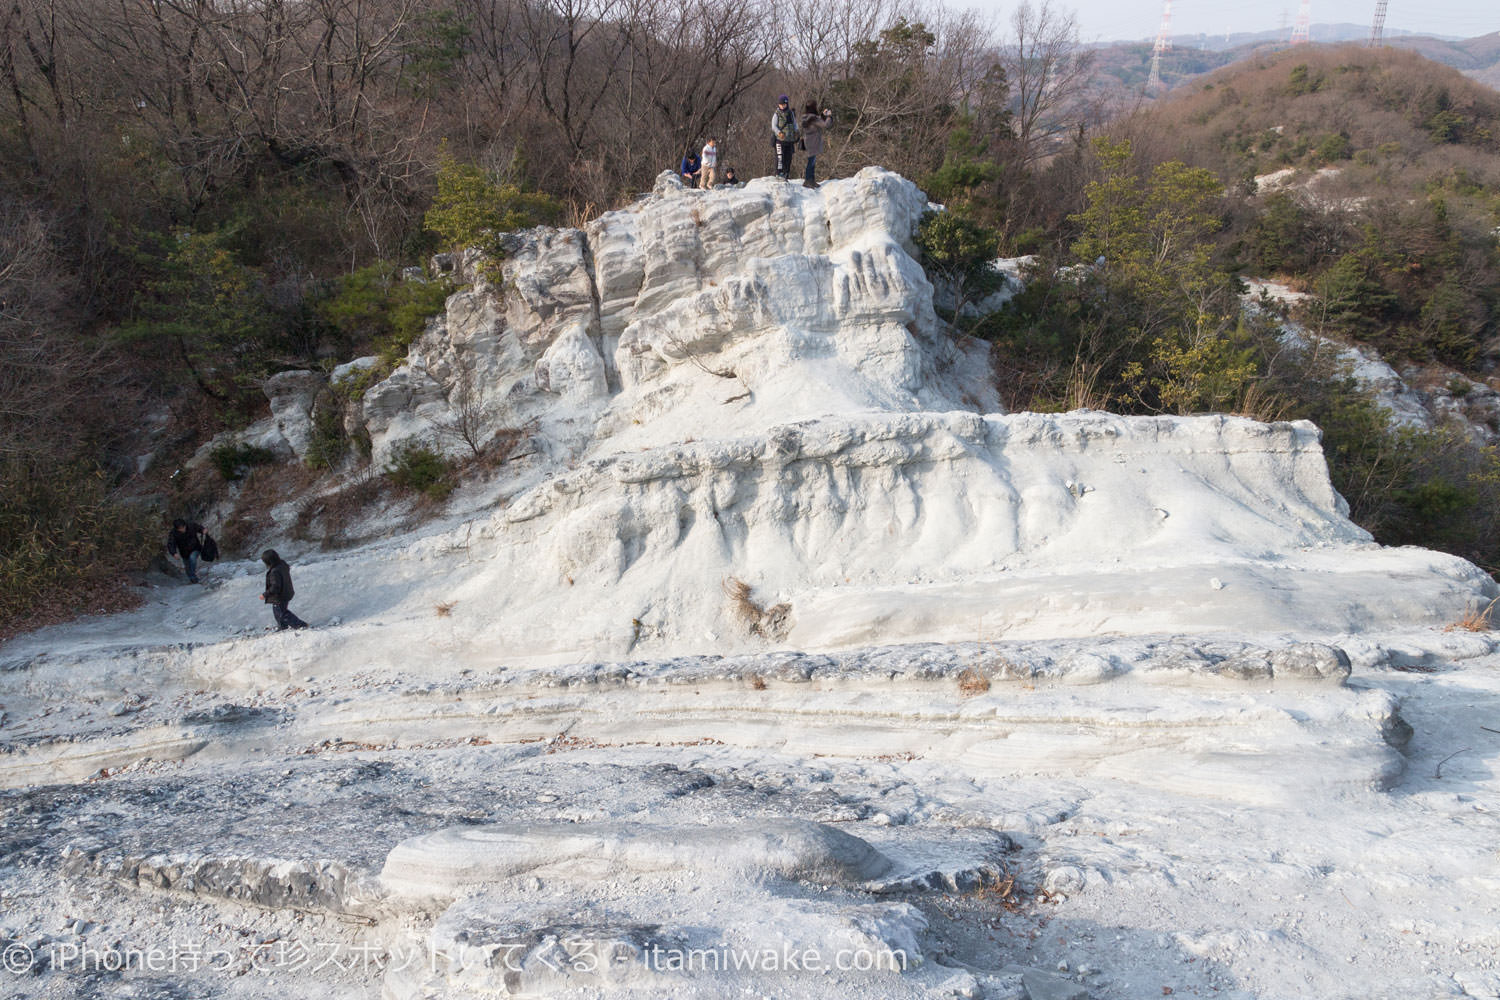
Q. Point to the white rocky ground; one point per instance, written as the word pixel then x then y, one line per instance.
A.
pixel 1013 706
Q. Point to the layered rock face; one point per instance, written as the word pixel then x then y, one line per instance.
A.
pixel 692 314
pixel 748 426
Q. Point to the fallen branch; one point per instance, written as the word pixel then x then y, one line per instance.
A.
pixel 1437 772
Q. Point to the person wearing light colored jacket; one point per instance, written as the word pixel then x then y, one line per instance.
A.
pixel 710 158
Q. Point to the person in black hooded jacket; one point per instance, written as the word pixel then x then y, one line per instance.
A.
pixel 279 592
pixel 185 540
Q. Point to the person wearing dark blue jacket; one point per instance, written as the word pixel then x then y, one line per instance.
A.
pixel 691 169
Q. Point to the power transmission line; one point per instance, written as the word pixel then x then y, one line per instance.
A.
pixel 1163 44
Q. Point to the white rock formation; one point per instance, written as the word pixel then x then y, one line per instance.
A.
pixel 752 430
pixel 693 314
pixel 781 648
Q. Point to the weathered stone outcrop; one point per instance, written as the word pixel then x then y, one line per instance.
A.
pixel 800 303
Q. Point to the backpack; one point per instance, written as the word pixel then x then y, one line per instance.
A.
pixel 210 550
pixel 786 124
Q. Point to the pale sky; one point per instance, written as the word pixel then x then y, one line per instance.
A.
pixel 1125 20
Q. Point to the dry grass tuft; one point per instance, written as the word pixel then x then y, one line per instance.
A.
pixel 738 592
pixel 1004 892
pixel 262 489
pixel 773 623
pixel 1476 620
pixel 499 449
pixel 757 682
pixel 971 683
pixel 444 609
pixel 330 517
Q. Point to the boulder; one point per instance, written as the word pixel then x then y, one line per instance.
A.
pixel 291 395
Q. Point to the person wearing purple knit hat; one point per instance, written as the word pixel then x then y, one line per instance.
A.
pixel 784 136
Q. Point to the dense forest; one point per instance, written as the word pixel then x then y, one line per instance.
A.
pixel 194 196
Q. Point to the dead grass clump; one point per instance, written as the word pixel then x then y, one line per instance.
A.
pixel 971 683
pixel 757 682
pixel 772 623
pixel 329 517
pixel 1476 620
pixel 1004 892
pixel 738 592
pixel 444 608
pixel 263 488
pixel 503 446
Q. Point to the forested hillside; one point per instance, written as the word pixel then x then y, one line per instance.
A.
pixel 1379 189
pixel 196 196
pixel 1368 180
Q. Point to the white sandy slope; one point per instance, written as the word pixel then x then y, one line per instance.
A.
pixel 1055 705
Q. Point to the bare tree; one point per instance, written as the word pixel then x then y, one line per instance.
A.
pixel 29 37
pixel 1049 72
pixel 471 411
pixel 904 90
pixel 494 66
pixel 695 60
pixel 576 48
pixel 820 45
pixel 45 373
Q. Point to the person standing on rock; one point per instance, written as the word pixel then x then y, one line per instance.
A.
pixel 710 158
pixel 784 136
pixel 278 593
pixel 813 126
pixel 185 541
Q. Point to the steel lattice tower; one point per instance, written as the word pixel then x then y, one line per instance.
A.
pixel 1377 30
pixel 1303 29
pixel 1163 44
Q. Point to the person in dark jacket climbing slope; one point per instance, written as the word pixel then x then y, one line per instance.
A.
pixel 278 593
pixel 185 541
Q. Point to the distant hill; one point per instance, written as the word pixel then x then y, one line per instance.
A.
pixel 1371 174
pixel 1323 34
pixel 1272 108
pixel 1477 58
pixel 1125 67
